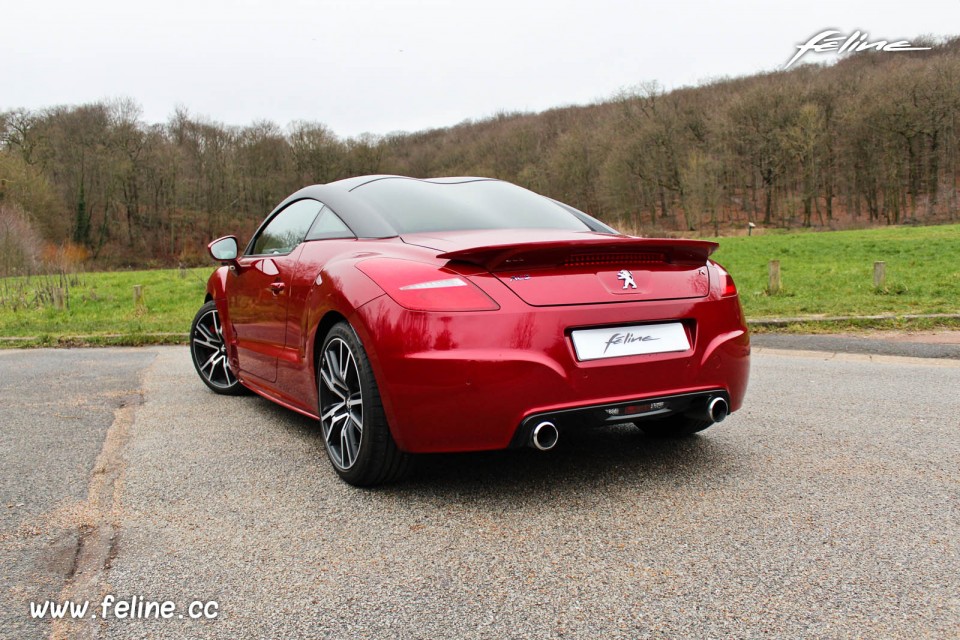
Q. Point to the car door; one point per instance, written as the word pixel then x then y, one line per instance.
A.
pixel 328 238
pixel 260 293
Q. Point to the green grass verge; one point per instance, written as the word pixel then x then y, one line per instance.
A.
pixel 824 274
pixel 100 308
pixel 854 325
pixel 831 273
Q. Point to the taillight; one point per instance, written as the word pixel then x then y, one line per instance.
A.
pixel 727 287
pixel 424 287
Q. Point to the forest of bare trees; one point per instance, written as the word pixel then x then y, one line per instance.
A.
pixel 872 139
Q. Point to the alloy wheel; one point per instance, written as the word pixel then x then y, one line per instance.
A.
pixel 210 351
pixel 341 403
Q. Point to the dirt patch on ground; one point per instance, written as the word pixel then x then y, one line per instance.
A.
pixel 98 521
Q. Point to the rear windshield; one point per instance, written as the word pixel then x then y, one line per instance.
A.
pixel 415 206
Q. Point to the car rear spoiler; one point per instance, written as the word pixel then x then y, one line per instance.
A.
pixel 589 251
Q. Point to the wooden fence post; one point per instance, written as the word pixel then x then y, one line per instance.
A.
pixel 59 298
pixel 879 274
pixel 774 284
pixel 138 302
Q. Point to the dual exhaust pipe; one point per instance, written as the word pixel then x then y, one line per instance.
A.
pixel 545 435
pixel 717 409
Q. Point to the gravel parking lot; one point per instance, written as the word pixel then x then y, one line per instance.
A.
pixel 828 507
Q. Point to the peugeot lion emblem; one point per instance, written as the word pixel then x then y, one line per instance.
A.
pixel 627 278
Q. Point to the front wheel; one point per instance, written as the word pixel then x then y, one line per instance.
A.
pixel 209 352
pixel 355 431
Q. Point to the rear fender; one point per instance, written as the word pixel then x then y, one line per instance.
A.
pixel 338 287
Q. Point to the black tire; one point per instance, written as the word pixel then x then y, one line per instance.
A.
pixel 358 443
pixel 673 427
pixel 209 353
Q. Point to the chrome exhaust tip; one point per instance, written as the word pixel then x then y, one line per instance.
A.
pixel 544 436
pixel 718 409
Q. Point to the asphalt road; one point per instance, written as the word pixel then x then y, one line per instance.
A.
pixel 55 410
pixel 828 507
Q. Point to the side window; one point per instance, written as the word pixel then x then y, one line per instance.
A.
pixel 329 226
pixel 287 229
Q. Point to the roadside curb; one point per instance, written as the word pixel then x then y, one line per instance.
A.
pixel 780 322
pixel 96 340
pixel 857 357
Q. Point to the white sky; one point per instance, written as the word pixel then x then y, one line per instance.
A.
pixel 377 66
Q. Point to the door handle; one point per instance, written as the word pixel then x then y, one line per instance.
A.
pixel 277 288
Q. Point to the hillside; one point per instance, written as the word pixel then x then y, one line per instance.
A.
pixel 871 140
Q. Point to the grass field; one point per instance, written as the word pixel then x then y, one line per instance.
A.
pixel 832 272
pixel 827 273
pixel 102 304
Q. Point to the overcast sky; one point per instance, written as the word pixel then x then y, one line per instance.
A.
pixel 377 66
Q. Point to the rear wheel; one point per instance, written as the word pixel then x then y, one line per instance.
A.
pixel 209 352
pixel 355 431
pixel 673 427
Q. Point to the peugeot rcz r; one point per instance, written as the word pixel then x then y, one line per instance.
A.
pixel 466 314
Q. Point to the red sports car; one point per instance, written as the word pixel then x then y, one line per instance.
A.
pixel 466 314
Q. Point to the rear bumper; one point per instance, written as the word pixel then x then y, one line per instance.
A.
pixel 637 410
pixel 473 381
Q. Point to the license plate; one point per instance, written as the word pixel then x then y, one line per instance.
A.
pixel 641 339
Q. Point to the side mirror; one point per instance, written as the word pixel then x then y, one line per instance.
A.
pixel 225 250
